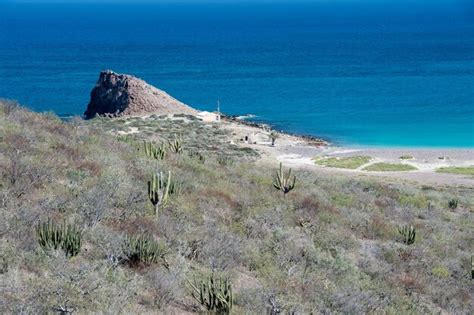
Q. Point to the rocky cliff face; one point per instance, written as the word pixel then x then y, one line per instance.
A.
pixel 117 95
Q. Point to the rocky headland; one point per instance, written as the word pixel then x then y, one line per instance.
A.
pixel 117 95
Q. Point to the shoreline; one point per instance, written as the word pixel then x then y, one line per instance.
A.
pixel 300 152
pixel 317 139
pixel 329 142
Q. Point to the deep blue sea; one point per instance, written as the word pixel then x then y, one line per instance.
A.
pixel 369 73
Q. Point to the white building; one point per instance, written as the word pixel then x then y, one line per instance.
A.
pixel 208 117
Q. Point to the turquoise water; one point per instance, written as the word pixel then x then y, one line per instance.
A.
pixel 356 74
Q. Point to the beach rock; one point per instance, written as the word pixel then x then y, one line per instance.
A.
pixel 116 95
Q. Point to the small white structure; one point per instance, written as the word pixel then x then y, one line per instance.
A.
pixel 257 138
pixel 208 117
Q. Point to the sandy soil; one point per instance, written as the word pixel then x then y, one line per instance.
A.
pixel 298 152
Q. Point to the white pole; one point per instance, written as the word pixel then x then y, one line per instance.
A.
pixel 218 111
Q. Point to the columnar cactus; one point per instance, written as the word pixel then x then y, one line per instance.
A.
pixel 176 145
pixel 472 268
pixel 284 181
pixel 158 190
pixel 408 234
pixel 65 237
pixel 214 294
pixel 154 152
pixel 142 249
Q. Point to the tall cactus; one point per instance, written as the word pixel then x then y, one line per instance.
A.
pixel 472 268
pixel 158 190
pixel 176 145
pixel 284 181
pixel 408 234
pixel 214 294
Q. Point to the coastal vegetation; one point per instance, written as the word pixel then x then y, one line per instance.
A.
pixel 466 170
pixel 406 157
pixel 350 162
pixel 228 242
pixel 389 167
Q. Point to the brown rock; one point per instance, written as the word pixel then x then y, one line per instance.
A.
pixel 116 95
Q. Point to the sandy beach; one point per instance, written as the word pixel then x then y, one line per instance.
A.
pixel 299 152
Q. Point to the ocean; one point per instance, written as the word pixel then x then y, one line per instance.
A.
pixel 393 74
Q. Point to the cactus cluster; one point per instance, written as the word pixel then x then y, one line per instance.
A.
pixel 408 234
pixel 453 204
pixel 176 145
pixel 153 151
pixel 65 237
pixel 284 181
pixel 215 294
pixel 142 249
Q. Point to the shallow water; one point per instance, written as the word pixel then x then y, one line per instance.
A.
pixel 356 74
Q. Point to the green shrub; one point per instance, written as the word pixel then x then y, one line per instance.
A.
pixel 440 272
pixel 65 237
pixel 466 170
pixel 214 294
pixel 351 162
pixel 389 167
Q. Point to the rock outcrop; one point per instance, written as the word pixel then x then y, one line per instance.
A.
pixel 117 95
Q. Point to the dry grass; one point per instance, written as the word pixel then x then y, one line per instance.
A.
pixel 329 246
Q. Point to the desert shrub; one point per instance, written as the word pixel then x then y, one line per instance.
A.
pixel 197 156
pixel 66 237
pixel 378 228
pixel 440 272
pixel 224 160
pixel 306 212
pixel 8 106
pixel 166 287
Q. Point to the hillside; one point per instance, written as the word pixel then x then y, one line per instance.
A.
pixel 330 245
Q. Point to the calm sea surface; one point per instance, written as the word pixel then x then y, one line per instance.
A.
pixel 377 75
